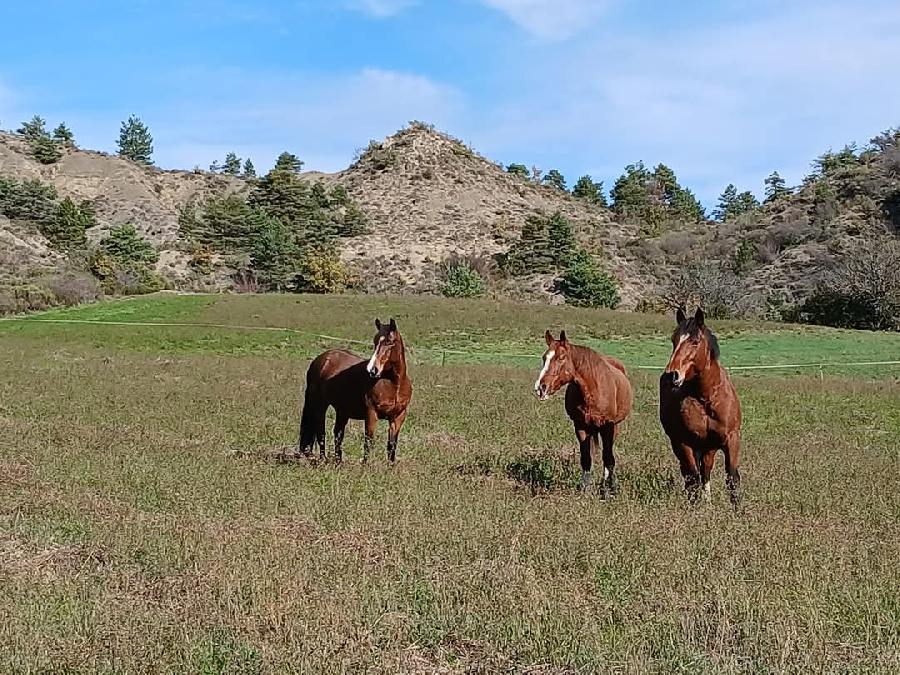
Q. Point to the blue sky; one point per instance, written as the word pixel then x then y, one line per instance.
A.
pixel 720 91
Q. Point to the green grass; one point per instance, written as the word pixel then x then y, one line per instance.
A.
pixel 147 525
pixel 446 332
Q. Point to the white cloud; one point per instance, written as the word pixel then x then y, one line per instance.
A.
pixel 551 20
pixel 381 8
pixel 720 105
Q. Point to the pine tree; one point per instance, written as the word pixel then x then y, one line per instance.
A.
pixel 747 202
pixel 518 170
pixel 64 136
pixel 561 240
pixel 686 206
pixel 135 142
pixel 588 191
pixel 776 188
pixel 728 204
pixel 249 169
pixel 34 128
pixel 215 167
pixel 66 229
pixel 275 256
pixel 665 183
pixel 629 193
pixel 232 165
pixel 555 179
pixel 45 150
pixel 124 245
pixel 288 162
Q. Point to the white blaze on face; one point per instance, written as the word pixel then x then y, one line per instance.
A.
pixel 547 360
pixel 681 341
pixel 371 366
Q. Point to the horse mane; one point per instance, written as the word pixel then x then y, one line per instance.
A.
pixel 690 327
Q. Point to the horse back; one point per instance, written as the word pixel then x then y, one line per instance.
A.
pixel 328 364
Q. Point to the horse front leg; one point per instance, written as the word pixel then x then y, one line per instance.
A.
pixel 689 470
pixel 608 437
pixel 732 451
pixel 708 461
pixel 340 426
pixel 371 424
pixel 585 443
pixel 393 433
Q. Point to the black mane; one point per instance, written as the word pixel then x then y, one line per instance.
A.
pixel 692 328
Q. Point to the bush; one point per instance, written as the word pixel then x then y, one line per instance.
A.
pixel 322 271
pixel 861 291
pixel 125 246
pixel 712 286
pixel 584 284
pixel 460 280
pixel 75 288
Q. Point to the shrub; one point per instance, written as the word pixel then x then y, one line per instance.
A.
pixel 861 291
pixel 584 284
pixel 75 288
pixel 66 229
pixel 712 286
pixel 322 271
pixel 125 246
pixel 460 280
pixel 742 257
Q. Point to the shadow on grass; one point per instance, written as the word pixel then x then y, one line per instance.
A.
pixel 548 471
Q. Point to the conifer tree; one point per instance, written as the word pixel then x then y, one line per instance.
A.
pixel 135 142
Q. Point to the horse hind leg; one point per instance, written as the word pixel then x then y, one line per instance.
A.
pixel 320 433
pixel 608 437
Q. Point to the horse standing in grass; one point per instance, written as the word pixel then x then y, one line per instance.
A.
pixel 357 389
pixel 699 408
pixel 598 399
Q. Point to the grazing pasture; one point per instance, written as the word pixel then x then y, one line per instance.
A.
pixel 147 522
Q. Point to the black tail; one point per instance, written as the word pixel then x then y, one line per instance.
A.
pixel 309 419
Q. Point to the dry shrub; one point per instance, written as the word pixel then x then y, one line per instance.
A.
pixel 75 288
pixel 712 286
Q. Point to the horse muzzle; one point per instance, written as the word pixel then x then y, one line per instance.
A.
pixel 373 372
pixel 541 391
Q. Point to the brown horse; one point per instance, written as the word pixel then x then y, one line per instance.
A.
pixel 357 389
pixel 699 408
pixel 598 399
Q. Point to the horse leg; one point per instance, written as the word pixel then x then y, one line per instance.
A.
pixel 371 424
pixel 340 424
pixel 393 433
pixel 585 444
pixel 320 432
pixel 708 461
pixel 732 451
pixel 608 436
pixel 689 470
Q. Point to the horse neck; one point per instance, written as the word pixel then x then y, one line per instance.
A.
pixel 709 378
pixel 580 376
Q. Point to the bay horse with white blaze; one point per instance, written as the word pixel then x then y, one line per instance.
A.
pixel 598 399
pixel 359 390
pixel 699 408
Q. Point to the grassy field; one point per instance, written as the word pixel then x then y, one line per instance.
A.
pixel 146 523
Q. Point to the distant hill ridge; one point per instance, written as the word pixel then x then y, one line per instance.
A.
pixel 427 196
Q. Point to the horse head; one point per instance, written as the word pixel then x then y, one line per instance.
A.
pixel 388 349
pixel 557 369
pixel 693 348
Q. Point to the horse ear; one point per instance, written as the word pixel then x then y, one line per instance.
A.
pixel 548 336
pixel 393 324
pixel 680 316
pixel 378 324
pixel 562 336
pixel 699 317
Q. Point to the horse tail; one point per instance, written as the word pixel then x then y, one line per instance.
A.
pixel 309 418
